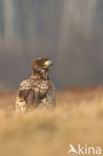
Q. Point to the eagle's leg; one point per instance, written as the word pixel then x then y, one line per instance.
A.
pixel 20 105
pixel 36 98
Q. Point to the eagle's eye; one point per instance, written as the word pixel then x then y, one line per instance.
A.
pixel 48 63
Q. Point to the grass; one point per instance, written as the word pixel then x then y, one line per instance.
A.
pixel 77 119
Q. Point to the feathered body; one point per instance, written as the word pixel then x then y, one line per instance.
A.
pixel 38 90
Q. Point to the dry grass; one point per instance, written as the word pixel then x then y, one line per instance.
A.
pixel 77 119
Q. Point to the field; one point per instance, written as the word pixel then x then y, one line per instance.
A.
pixel 77 119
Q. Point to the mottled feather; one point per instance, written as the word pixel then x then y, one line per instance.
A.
pixel 38 90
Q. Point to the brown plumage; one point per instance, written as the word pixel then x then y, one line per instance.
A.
pixel 38 90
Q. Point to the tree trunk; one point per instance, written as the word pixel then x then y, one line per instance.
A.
pixel 8 19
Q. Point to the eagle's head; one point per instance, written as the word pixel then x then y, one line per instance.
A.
pixel 41 65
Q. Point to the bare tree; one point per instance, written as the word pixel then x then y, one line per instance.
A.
pixel 8 19
pixel 77 22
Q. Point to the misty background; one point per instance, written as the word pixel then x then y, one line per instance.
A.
pixel 70 32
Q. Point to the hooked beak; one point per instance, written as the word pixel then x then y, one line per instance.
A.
pixel 48 63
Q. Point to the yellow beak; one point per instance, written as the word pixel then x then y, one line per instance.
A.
pixel 48 63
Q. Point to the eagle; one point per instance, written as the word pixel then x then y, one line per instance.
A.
pixel 38 91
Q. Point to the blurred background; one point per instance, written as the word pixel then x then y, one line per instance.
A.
pixel 70 32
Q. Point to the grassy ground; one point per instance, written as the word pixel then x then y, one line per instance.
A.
pixel 77 119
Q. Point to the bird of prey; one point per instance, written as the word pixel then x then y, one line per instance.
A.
pixel 38 90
